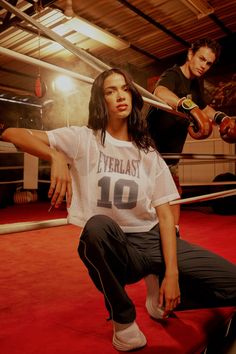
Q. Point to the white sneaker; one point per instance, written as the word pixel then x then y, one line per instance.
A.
pixel 129 338
pixel 152 298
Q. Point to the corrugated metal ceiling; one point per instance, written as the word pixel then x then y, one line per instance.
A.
pixel 155 29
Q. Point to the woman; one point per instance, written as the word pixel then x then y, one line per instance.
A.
pixel 121 193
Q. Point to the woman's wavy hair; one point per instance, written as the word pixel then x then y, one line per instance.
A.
pixel 98 113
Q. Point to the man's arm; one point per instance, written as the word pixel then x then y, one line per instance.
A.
pixel 202 119
pixel 36 143
pixel 167 96
pixel 227 125
pixel 210 112
pixel 200 125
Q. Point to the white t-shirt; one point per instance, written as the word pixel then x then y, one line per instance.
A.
pixel 117 180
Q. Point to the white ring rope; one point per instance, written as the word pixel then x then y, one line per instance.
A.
pixel 182 184
pixel 31 225
pixel 6 147
pixel 35 225
pixel 44 64
pixel 191 156
pixel 83 78
pixel 12 182
pixel 192 163
pixel 204 197
pixel 204 184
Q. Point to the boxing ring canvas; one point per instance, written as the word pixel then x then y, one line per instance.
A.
pixel 49 305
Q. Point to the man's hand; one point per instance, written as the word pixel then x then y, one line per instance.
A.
pixel 200 125
pixel 227 127
pixel 60 185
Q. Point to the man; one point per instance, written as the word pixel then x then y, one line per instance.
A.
pixel 181 87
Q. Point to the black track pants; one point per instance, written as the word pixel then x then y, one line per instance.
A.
pixel 115 259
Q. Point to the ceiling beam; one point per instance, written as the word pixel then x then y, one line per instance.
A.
pixel 219 23
pixel 7 22
pixel 8 14
pixel 88 58
pixel 154 23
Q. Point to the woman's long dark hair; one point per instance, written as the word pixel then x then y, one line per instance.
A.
pixel 98 114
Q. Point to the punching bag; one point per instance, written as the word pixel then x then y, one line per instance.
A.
pixel 39 87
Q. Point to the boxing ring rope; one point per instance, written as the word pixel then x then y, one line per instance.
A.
pixel 204 197
pixel 83 78
pixel 36 225
pixel 43 64
pixel 31 225
pixel 208 157
pixel 199 159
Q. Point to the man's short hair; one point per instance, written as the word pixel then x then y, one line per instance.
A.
pixel 209 43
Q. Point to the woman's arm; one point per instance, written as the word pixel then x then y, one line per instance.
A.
pixel 36 143
pixel 169 291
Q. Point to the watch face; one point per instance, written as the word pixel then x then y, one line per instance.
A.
pixel 188 104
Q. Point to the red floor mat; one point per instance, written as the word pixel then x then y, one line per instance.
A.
pixel 48 305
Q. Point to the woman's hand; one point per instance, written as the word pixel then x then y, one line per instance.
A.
pixel 169 295
pixel 60 180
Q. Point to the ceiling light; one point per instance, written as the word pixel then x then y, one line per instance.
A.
pixel 200 7
pixel 64 84
pixel 92 31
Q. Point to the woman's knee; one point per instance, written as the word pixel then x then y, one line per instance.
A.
pixel 95 231
pixel 96 226
pixel 98 220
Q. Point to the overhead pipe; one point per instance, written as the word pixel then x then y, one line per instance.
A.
pixel 83 78
pixel 88 58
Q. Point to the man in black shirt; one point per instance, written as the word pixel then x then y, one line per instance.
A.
pixel 181 87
